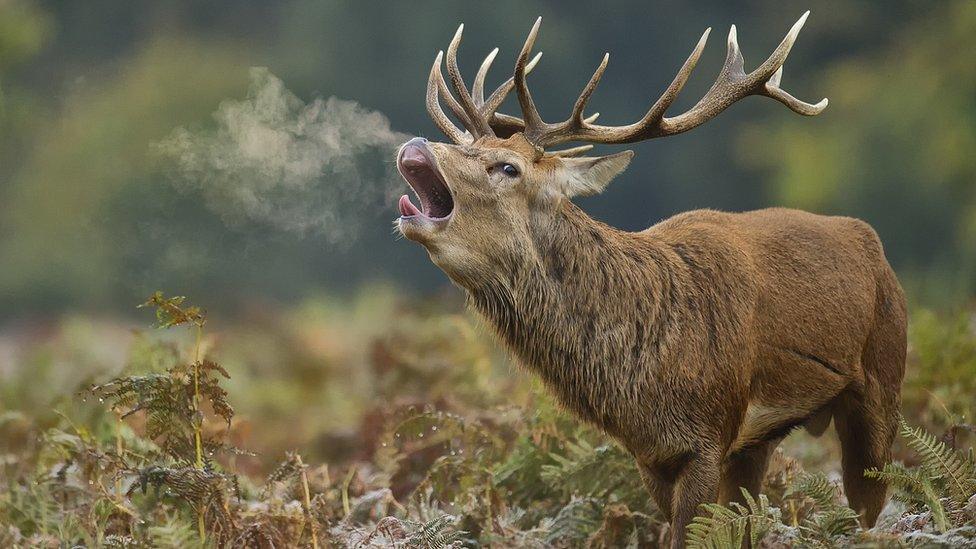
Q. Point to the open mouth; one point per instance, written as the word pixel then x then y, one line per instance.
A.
pixel 418 168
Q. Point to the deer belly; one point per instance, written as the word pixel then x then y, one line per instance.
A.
pixel 763 422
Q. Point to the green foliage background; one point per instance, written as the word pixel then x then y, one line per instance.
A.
pixel 89 217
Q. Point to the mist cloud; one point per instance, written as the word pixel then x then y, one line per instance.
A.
pixel 276 160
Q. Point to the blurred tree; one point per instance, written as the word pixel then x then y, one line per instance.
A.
pixel 24 29
pixel 67 234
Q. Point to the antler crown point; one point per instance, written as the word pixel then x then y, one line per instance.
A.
pixel 799 23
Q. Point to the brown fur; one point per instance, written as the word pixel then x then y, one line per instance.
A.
pixel 698 343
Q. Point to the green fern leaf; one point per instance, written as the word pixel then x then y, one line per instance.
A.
pixel 913 487
pixel 575 522
pixel 723 527
pixel 943 463
pixel 817 487
pixel 761 516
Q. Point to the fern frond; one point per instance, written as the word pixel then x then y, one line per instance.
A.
pixel 762 516
pixel 435 533
pixel 287 469
pixel 575 522
pixel 817 487
pixel 726 526
pixel 913 487
pixel 605 471
pixel 170 311
pixel 829 518
pixel 838 520
pixel 722 527
pixel 943 463
pixel 173 533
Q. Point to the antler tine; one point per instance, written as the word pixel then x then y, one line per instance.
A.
pixel 778 57
pixel 734 84
pixel 570 152
pixel 434 106
pixel 478 124
pixel 576 129
pixel 505 125
pixel 773 90
pixel 478 87
pixel 501 92
pixel 533 122
pixel 656 112
pixel 577 116
pixel 452 103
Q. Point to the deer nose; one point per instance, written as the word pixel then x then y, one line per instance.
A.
pixel 412 154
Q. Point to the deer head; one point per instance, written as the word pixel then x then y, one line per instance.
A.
pixel 479 194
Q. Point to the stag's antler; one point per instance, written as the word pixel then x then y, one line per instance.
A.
pixel 480 117
pixel 476 113
pixel 732 85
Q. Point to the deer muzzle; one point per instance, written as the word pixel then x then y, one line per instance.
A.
pixel 418 166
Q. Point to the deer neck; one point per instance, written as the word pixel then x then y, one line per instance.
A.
pixel 584 304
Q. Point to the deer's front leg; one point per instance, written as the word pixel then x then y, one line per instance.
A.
pixel 698 483
pixel 659 481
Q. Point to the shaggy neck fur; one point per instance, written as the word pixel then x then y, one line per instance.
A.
pixel 597 354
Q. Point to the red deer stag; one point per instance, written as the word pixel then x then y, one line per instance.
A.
pixel 699 343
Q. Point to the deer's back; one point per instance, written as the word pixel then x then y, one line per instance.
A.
pixel 814 277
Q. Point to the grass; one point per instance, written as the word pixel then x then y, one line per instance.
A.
pixel 379 422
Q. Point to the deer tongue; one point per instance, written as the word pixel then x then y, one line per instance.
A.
pixel 407 208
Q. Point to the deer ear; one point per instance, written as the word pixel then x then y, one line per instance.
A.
pixel 589 175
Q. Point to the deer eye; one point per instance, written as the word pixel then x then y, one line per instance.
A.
pixel 509 170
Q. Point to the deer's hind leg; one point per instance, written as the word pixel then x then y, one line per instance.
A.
pixel 866 415
pixel 866 434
